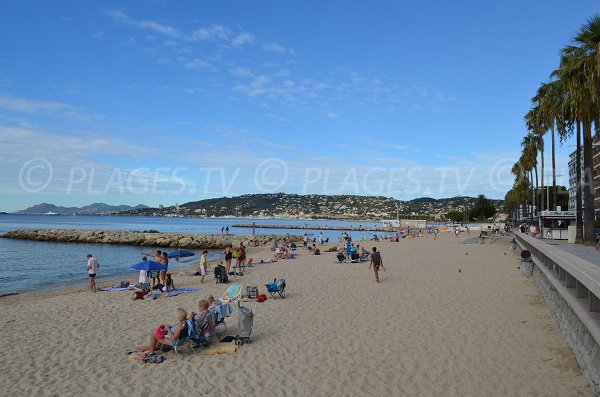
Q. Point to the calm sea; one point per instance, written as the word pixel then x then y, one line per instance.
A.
pixel 27 266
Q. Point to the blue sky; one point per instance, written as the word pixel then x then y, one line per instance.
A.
pixel 159 102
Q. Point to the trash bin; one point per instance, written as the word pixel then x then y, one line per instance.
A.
pixel 571 234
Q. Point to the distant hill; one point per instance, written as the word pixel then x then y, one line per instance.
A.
pixel 92 209
pixel 313 206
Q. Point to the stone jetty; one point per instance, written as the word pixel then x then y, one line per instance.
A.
pixel 316 227
pixel 171 240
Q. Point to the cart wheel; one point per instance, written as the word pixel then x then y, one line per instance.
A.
pixel 239 341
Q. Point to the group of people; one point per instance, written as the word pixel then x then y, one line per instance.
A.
pixel 239 254
pixel 203 320
pixel 156 276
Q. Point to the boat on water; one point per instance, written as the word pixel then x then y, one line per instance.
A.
pixel 50 213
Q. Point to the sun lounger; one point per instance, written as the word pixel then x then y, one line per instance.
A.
pixel 233 293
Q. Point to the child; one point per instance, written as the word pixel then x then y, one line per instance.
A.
pixel 203 265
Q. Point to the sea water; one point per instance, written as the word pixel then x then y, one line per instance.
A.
pixel 27 266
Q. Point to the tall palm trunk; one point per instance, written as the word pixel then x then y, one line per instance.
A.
pixel 553 173
pixel 579 207
pixel 536 208
pixel 542 207
pixel 589 223
pixel 531 212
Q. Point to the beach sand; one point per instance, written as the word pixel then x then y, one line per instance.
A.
pixel 425 330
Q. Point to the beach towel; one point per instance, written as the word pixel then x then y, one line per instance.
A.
pixel 114 289
pixel 219 349
pixel 180 291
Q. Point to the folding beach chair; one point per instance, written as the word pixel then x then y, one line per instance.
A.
pixel 233 293
pixel 221 312
pixel 276 288
pixel 191 340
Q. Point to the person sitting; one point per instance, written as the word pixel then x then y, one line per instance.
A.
pixel 165 335
pixel 341 257
pixel 169 286
pixel 213 303
pixel 293 246
pixel 205 320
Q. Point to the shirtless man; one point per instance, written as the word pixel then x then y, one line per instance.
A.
pixel 92 269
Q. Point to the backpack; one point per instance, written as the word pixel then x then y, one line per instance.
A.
pixel 252 292
pixel 262 298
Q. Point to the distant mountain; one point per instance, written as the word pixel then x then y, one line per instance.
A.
pixel 314 206
pixel 92 209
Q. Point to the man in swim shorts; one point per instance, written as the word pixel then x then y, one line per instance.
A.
pixel 92 269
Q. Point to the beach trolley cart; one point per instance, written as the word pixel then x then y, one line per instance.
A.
pixel 245 322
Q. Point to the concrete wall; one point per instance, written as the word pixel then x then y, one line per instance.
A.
pixel 577 336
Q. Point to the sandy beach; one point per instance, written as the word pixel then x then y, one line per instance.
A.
pixel 448 319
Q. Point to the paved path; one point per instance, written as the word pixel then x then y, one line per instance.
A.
pixel 586 252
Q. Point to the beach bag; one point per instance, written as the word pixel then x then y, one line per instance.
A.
pixel 261 298
pixel 160 332
pixel 252 292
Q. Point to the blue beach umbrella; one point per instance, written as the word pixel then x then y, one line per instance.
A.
pixel 148 265
pixel 181 254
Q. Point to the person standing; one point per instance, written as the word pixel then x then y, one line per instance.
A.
pixel 305 241
pixel 203 265
pixel 321 238
pixel 163 273
pixel 92 268
pixel 228 256
pixel 241 257
pixel 376 262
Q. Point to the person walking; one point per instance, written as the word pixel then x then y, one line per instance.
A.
pixel 92 268
pixel 376 262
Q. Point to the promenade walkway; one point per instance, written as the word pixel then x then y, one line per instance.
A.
pixel 588 253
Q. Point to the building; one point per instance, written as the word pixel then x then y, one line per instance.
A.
pixel 595 174
pixel 573 179
pixel 596 171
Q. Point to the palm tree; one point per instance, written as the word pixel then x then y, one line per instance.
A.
pixel 579 68
pixel 547 112
pixel 531 144
pixel 536 123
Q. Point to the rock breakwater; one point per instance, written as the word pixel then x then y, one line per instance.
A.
pixel 171 240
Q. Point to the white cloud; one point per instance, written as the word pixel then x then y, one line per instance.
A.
pixel 274 47
pixel 198 64
pixel 120 16
pixel 56 109
pixel 241 72
pixel 215 32
pixel 157 27
pixel 242 38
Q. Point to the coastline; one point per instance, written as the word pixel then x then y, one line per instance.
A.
pixel 145 239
